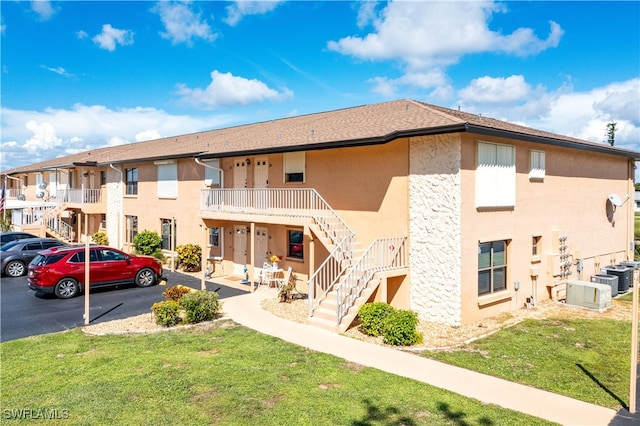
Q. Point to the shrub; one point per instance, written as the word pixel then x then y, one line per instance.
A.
pixel 100 238
pixel 157 253
pixel 176 292
pixel 189 257
pixel 166 313
pixel 200 305
pixel 147 243
pixel 400 329
pixel 372 317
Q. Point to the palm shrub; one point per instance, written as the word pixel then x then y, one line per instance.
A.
pixel 200 305
pixel 372 317
pixel 100 238
pixel 189 257
pixel 147 243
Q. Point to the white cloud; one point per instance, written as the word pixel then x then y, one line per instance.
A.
pixel 497 90
pixel 427 37
pixel 110 37
pixel 81 34
pixel 240 9
pixel 43 8
pixel 32 136
pixel 582 115
pixel 59 70
pixel 227 90
pixel 44 137
pixel 182 24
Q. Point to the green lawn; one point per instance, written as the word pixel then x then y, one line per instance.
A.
pixel 224 375
pixel 583 359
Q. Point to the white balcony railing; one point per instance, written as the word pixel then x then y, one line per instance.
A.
pixel 78 196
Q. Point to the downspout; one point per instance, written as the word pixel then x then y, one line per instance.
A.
pixel 209 166
pixel 120 230
pixel 219 169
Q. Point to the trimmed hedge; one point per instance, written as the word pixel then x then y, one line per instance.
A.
pixel 398 327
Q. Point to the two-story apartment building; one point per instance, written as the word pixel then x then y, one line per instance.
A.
pixel 453 215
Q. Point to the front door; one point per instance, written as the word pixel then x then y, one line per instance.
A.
pixel 240 174
pixel 261 173
pixel 239 249
pixel 262 246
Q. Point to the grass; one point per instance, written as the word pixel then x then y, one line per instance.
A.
pixel 223 375
pixel 580 358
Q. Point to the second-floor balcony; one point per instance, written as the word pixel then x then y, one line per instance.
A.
pixel 89 200
pixel 265 201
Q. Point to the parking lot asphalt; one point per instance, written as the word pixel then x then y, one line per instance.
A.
pixel 24 312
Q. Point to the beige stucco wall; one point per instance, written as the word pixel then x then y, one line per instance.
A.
pixel 571 202
pixel 435 228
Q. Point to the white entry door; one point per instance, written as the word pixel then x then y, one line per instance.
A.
pixel 262 246
pixel 261 173
pixel 239 249
pixel 240 174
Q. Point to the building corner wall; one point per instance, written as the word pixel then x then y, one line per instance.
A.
pixel 435 228
pixel 115 218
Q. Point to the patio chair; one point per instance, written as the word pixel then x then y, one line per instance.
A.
pixel 281 282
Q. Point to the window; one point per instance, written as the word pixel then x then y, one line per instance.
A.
pixel 167 180
pixel 492 267
pixel 107 255
pixel 496 175
pixel 131 180
pixel 535 248
pixel 131 227
pixel 167 234
pixel 103 221
pixel 103 177
pixel 296 244
pixel 212 176
pixel 294 167
pixel 79 257
pixel 214 237
pixel 536 166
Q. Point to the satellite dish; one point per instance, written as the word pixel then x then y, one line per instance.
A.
pixel 615 200
pixel 21 197
pixel 39 194
pixel 43 185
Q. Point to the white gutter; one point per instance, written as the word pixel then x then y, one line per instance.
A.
pixel 220 234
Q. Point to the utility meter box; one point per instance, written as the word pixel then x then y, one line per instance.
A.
pixel 588 295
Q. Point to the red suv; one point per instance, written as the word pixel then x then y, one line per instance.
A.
pixel 61 270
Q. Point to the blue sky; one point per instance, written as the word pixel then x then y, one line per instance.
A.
pixel 83 74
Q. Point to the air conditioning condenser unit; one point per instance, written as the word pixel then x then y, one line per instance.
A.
pixel 588 295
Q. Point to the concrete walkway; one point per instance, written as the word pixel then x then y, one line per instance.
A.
pixel 245 309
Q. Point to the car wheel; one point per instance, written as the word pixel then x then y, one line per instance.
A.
pixel 67 288
pixel 145 277
pixel 15 268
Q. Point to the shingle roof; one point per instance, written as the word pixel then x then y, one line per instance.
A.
pixel 367 124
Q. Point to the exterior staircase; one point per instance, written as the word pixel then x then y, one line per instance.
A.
pixel 347 278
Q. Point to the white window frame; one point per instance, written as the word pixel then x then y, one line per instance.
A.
pixel 167 179
pixel 495 175
pixel 294 164
pixel 536 165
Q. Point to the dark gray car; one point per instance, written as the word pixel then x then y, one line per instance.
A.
pixel 16 255
pixel 7 237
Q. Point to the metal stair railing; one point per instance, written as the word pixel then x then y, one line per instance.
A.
pixel 383 254
pixel 303 202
